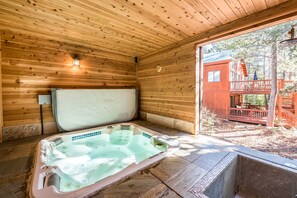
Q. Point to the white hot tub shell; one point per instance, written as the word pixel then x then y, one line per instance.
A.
pixel 42 185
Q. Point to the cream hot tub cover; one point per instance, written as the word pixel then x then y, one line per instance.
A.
pixel 76 109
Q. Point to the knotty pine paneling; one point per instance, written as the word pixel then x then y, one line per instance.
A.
pixel 33 65
pixel 134 27
pixel 171 92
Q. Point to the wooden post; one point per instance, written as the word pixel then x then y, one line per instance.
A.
pixel 279 106
pixel 1 107
pixel 281 84
pixel 199 88
pixel 295 103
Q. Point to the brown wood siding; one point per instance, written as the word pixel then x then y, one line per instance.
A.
pixel 33 65
pixel 170 92
pixel 216 94
pixel 1 106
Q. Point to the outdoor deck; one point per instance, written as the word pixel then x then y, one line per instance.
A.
pixel 248 115
pixel 257 116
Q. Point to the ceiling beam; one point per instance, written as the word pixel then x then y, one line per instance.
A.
pixel 269 17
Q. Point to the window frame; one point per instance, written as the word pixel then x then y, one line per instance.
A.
pixel 211 76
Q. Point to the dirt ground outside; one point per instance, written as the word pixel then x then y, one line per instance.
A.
pixel 279 140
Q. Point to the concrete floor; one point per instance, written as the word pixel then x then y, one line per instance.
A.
pixel 175 176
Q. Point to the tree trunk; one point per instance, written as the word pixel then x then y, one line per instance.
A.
pixel 264 74
pixel 273 93
pixel 266 101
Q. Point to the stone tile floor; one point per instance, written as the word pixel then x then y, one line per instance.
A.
pixel 175 176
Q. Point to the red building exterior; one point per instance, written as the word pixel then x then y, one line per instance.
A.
pixel 216 93
pixel 225 84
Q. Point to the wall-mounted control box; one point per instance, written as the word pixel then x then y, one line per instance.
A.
pixel 44 99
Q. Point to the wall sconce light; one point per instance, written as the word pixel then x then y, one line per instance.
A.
pixel 76 62
pixel 158 68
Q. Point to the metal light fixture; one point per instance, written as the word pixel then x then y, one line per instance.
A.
pixel 76 62
pixel 158 68
pixel 292 33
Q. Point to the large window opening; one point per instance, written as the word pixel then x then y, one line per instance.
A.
pixel 247 82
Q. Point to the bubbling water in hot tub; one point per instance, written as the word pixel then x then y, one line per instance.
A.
pixel 83 162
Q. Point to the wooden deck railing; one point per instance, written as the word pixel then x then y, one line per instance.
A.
pixel 248 115
pixel 287 102
pixel 290 83
pixel 260 116
pixel 255 86
pixel 289 118
pixel 250 86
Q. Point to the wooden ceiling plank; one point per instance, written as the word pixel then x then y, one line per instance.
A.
pixel 83 34
pixel 112 48
pixel 225 9
pixel 271 3
pixel 95 12
pixel 72 31
pixel 203 11
pixel 169 18
pixel 130 28
pixel 236 7
pixel 160 37
pixel 150 22
pixel 159 40
pixel 189 9
pixel 178 17
pixel 88 28
pixel 140 38
pixel 67 40
pixel 260 4
pixel 215 11
pixel 171 14
pixel 160 14
pixel 105 48
pixel 248 6
pixel 134 11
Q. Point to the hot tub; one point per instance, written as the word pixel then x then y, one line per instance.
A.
pixel 81 163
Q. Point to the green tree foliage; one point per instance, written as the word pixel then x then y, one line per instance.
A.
pixel 255 49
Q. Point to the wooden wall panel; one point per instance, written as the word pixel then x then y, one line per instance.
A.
pixel 33 65
pixel 1 107
pixel 170 92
